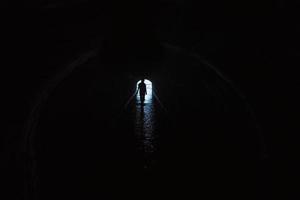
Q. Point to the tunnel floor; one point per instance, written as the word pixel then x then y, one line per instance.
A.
pixel 88 145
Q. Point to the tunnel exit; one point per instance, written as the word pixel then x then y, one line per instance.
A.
pixel 148 96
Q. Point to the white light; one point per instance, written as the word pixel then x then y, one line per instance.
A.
pixel 148 96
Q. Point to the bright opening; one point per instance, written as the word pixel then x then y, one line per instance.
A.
pixel 148 96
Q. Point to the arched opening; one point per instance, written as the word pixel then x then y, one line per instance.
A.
pixel 148 97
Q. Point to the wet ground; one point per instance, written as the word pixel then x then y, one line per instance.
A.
pixel 96 140
pixel 145 126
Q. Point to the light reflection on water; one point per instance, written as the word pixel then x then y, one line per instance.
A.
pixel 144 122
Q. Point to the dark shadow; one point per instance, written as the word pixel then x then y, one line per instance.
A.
pixel 142 91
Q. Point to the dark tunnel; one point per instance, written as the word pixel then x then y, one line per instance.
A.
pixel 218 118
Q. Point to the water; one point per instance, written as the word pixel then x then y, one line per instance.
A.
pixel 145 124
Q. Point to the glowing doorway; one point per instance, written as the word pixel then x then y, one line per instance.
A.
pixel 148 97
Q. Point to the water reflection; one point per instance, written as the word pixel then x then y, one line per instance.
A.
pixel 145 121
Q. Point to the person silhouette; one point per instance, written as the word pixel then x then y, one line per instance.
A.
pixel 142 89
